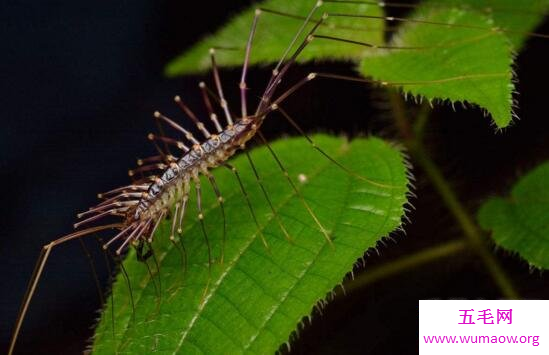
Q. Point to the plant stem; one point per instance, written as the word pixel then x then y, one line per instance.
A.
pixel 465 220
pixel 406 263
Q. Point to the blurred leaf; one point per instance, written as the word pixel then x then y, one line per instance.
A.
pixel 520 222
pixel 256 298
pixel 275 32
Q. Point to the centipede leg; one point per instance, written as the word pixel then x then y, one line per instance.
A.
pixel 184 201
pixel 201 219
pixel 321 151
pixel 248 202
pixel 172 234
pixel 159 289
pixel 243 87
pixel 219 87
pixel 292 184
pixel 220 200
pixel 264 190
pixel 39 268
pixel 109 270
pixel 119 262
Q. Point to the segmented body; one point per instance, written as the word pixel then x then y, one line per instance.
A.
pixel 213 152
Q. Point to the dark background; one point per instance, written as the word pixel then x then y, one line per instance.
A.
pixel 79 83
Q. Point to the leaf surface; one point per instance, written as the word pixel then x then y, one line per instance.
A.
pixel 275 33
pixel 456 64
pixel 257 296
pixel 509 15
pixel 520 222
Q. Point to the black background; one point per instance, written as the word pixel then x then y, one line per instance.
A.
pixel 79 83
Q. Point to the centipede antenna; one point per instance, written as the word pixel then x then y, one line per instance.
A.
pixel 243 87
pixel 192 116
pixel 326 155
pixel 205 97
pixel 266 195
pixel 220 200
pixel 248 202
pixel 219 87
pixel 201 219
pixel 276 76
pixel 289 92
pixel 174 125
pixel 39 268
pixel 293 41
pixel 296 191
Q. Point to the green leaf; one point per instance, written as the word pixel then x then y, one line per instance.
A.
pixel 509 15
pixel 458 64
pixel 275 32
pixel 520 222
pixel 256 298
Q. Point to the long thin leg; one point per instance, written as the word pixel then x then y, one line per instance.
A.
pixel 192 116
pixel 219 87
pixel 205 97
pixel 321 151
pixel 39 268
pixel 174 125
pixel 157 290
pixel 277 77
pixel 276 70
pixel 120 263
pixel 109 270
pixel 391 19
pixel 298 194
pixel 201 218
pixel 180 145
pixel 243 87
pixel 248 202
pixel 184 201
pixel 273 210
pixel 172 231
pixel 94 272
pixel 220 200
